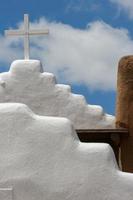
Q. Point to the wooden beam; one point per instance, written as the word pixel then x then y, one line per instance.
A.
pixel 100 135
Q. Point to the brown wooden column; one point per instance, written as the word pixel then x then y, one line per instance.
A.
pixel 124 110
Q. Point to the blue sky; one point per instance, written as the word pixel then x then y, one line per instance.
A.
pixel 87 39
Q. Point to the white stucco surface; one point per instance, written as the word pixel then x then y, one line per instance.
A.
pixel 27 83
pixel 42 158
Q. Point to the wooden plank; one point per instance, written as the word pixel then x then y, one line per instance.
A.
pixel 107 131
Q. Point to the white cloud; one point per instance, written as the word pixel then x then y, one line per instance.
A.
pixel 88 56
pixel 82 6
pixel 127 5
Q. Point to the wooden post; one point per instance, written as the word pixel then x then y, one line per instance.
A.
pixel 124 110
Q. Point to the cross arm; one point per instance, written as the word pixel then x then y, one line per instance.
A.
pixel 38 32
pixel 14 32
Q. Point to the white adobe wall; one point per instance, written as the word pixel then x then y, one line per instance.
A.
pixel 42 158
pixel 25 83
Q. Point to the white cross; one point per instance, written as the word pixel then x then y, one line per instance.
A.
pixel 26 32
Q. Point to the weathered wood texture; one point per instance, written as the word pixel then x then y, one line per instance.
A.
pixel 124 110
pixel 110 136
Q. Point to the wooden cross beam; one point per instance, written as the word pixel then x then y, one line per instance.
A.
pixel 26 32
